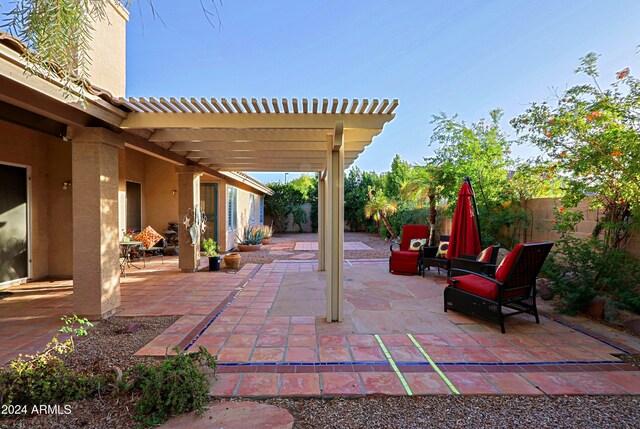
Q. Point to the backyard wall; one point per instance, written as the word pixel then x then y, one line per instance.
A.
pixel 291 227
pixel 542 210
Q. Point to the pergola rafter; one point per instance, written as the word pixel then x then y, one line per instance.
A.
pixel 227 136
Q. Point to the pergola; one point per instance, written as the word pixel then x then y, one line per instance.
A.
pixel 287 135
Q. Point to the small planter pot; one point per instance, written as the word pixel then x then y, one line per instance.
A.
pixel 249 247
pixel 266 240
pixel 214 263
pixel 232 260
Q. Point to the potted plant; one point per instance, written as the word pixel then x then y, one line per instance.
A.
pixel 251 240
pixel 267 232
pixel 232 260
pixel 211 251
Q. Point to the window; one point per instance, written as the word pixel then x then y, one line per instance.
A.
pixel 134 206
pixel 252 210
pixel 262 210
pixel 232 207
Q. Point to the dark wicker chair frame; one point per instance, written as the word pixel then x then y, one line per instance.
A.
pixel 468 263
pixel 522 277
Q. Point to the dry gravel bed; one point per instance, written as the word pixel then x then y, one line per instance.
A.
pixel 468 412
pixel 100 352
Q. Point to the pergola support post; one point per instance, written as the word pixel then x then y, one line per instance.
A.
pixel 322 219
pixel 96 253
pixel 335 225
pixel 188 198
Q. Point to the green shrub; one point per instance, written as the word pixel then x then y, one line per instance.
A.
pixel 174 386
pixel 43 378
pixel 581 269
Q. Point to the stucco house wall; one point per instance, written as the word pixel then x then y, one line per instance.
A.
pixel 247 214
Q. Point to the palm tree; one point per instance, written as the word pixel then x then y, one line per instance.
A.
pixel 422 186
pixel 380 208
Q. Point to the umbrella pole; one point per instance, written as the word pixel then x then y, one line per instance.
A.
pixel 475 207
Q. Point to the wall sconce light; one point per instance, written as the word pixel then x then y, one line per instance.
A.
pixel 66 184
pixel 174 192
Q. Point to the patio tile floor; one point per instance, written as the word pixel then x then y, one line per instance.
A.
pixel 267 327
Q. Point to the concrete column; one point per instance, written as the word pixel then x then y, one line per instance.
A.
pixel 335 226
pixel 322 183
pixel 188 198
pixel 96 253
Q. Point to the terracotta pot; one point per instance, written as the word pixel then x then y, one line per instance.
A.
pixel 232 260
pixel 266 240
pixel 249 247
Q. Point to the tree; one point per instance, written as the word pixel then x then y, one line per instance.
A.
pixel 394 179
pixel 481 152
pixel 58 34
pixel 283 202
pixel 591 138
pixel 356 184
pixel 379 207
pixel 423 186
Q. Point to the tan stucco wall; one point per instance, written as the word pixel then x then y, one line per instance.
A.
pixel 542 210
pixel 60 210
pixel 50 162
pixel 108 58
pixel 243 215
pixel 160 180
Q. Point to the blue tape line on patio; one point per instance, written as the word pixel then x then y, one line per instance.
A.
pixel 213 319
pixel 600 362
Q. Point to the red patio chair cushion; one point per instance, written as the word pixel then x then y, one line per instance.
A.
pixel 485 255
pixel 404 261
pixel 507 263
pixel 483 287
pixel 477 286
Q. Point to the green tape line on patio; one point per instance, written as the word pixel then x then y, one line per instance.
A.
pixel 433 365
pixel 393 365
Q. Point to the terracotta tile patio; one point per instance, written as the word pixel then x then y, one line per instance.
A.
pixel 267 327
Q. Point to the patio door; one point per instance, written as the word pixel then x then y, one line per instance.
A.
pixel 14 223
pixel 209 203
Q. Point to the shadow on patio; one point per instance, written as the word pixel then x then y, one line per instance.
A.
pixel 266 323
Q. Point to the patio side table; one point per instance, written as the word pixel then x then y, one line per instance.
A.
pixel 125 259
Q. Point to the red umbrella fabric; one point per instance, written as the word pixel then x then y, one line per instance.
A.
pixel 465 238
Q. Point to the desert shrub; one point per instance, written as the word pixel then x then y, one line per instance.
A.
pixel 582 268
pixel 173 386
pixel 43 378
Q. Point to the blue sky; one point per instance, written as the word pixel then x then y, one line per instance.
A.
pixel 464 57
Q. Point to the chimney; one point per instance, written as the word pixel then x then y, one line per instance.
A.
pixel 109 50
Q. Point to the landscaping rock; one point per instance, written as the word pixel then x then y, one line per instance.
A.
pixel 596 307
pixel 611 312
pixel 633 326
pixel 235 415
pixel 130 329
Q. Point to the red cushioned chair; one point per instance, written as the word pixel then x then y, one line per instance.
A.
pixel 405 261
pixel 513 287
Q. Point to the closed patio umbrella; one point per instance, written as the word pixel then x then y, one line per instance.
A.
pixel 465 228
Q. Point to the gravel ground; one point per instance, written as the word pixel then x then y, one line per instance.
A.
pixel 465 412
pixel 632 360
pixel 102 350
pixel 380 247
